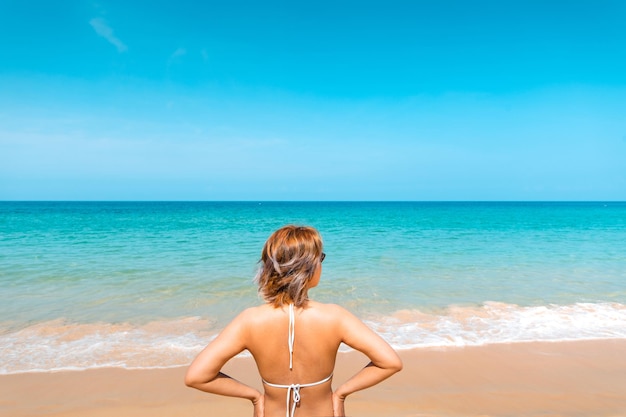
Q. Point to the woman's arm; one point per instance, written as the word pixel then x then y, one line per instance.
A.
pixel 384 361
pixel 204 372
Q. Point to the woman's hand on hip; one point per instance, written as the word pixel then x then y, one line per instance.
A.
pixel 338 405
pixel 259 406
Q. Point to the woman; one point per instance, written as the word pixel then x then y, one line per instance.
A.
pixel 293 340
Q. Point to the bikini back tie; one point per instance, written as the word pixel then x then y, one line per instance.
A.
pixel 293 393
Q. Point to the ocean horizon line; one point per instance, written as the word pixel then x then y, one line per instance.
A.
pixel 310 201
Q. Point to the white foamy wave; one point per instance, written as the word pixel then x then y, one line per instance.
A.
pixel 56 345
pixel 502 323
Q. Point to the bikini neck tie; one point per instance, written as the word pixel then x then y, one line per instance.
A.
pixel 291 336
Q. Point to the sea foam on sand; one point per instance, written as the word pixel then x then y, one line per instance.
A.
pixel 58 345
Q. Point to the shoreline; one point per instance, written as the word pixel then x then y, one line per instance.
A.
pixel 573 378
pixel 63 345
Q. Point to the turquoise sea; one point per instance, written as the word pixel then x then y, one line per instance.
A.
pixel 148 284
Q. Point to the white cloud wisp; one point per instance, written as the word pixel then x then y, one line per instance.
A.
pixel 103 29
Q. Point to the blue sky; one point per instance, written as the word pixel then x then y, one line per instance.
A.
pixel 393 100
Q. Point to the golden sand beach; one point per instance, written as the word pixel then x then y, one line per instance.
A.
pixel 582 378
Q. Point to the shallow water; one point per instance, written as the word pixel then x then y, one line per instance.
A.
pixel 147 284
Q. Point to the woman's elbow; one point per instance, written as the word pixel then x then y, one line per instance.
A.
pixel 189 381
pixel 398 366
pixel 390 366
pixel 395 365
pixel 193 380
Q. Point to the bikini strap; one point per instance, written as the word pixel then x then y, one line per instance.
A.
pixel 292 334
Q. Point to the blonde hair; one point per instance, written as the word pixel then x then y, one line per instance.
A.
pixel 288 262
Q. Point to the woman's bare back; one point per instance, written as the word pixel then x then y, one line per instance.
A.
pixel 317 338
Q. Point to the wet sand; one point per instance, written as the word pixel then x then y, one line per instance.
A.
pixel 583 378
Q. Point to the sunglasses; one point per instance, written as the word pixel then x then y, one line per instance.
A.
pixel 322 257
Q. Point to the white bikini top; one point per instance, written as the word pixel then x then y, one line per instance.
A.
pixel 293 390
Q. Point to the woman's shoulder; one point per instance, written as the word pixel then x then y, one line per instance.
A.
pixel 257 312
pixel 331 310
